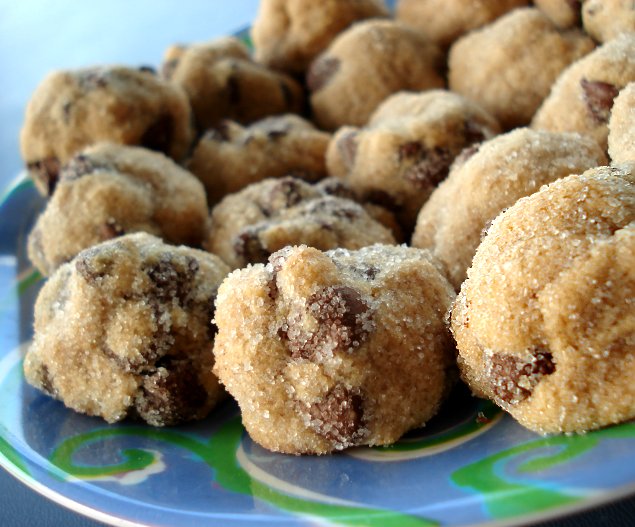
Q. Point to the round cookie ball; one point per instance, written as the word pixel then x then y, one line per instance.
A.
pixel 563 13
pixel 222 82
pixel 545 323
pixel 606 19
pixel 230 157
pixel 71 110
pixel 443 21
pixel 248 226
pixel 509 66
pixel 582 97
pixel 109 190
pixel 490 177
pixel 364 65
pixel 621 137
pixel 324 351
pixel 123 330
pixel 289 34
pixel 407 148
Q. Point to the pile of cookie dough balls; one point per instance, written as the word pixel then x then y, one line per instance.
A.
pixel 336 220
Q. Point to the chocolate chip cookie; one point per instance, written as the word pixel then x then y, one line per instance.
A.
pixel 109 190
pixel 222 82
pixel 289 34
pixel 71 110
pixel 230 157
pixel 545 323
pixel 508 67
pixel 407 148
pixel 324 351
pixel 490 177
pixel 582 98
pixel 443 21
pixel 248 226
pixel 124 330
pixel 364 65
pixel 621 137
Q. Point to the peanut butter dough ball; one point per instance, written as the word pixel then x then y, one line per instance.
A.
pixel 443 21
pixel 71 110
pixel 364 65
pixel 545 323
pixel 289 34
pixel 230 157
pixel 490 177
pixel 582 97
pixel 123 330
pixel 109 190
pixel 324 351
pixel 508 67
pixel 222 82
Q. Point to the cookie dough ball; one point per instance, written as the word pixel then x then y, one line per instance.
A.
pixel 606 19
pixel 231 157
pixel 289 34
pixel 407 148
pixel 222 82
pixel 248 226
pixel 545 323
pixel 582 98
pixel 563 13
pixel 443 21
pixel 509 66
pixel 366 64
pixel 622 126
pixel 324 351
pixel 71 110
pixel 109 190
pixel 124 330
pixel 490 177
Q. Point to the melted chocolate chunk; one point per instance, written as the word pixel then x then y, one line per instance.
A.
pixel 248 245
pixel 172 394
pixel 158 136
pixel 339 416
pixel 171 280
pixel 321 72
pixel 598 97
pixel 431 168
pixel 514 378
pixel 46 172
pixel 284 194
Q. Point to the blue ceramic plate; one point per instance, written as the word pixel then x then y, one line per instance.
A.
pixel 471 466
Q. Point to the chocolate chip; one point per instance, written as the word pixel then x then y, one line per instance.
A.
pixel 431 168
pixel 171 280
pixel 172 394
pixel 334 207
pixel 168 68
pixel 347 147
pixel 339 416
pixel 158 136
pixel 598 97
pixel 285 193
pixel 344 322
pixel 321 72
pixel 45 172
pixel 513 378
pixel 46 381
pixel 411 149
pixel 247 244
pixel 147 69
pixel 337 188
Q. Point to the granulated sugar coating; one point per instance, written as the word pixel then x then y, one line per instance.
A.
pixel 622 126
pixel 582 97
pixel 124 330
pixel 324 351
pixel 109 190
pixel 488 178
pixel 545 323
pixel 246 227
